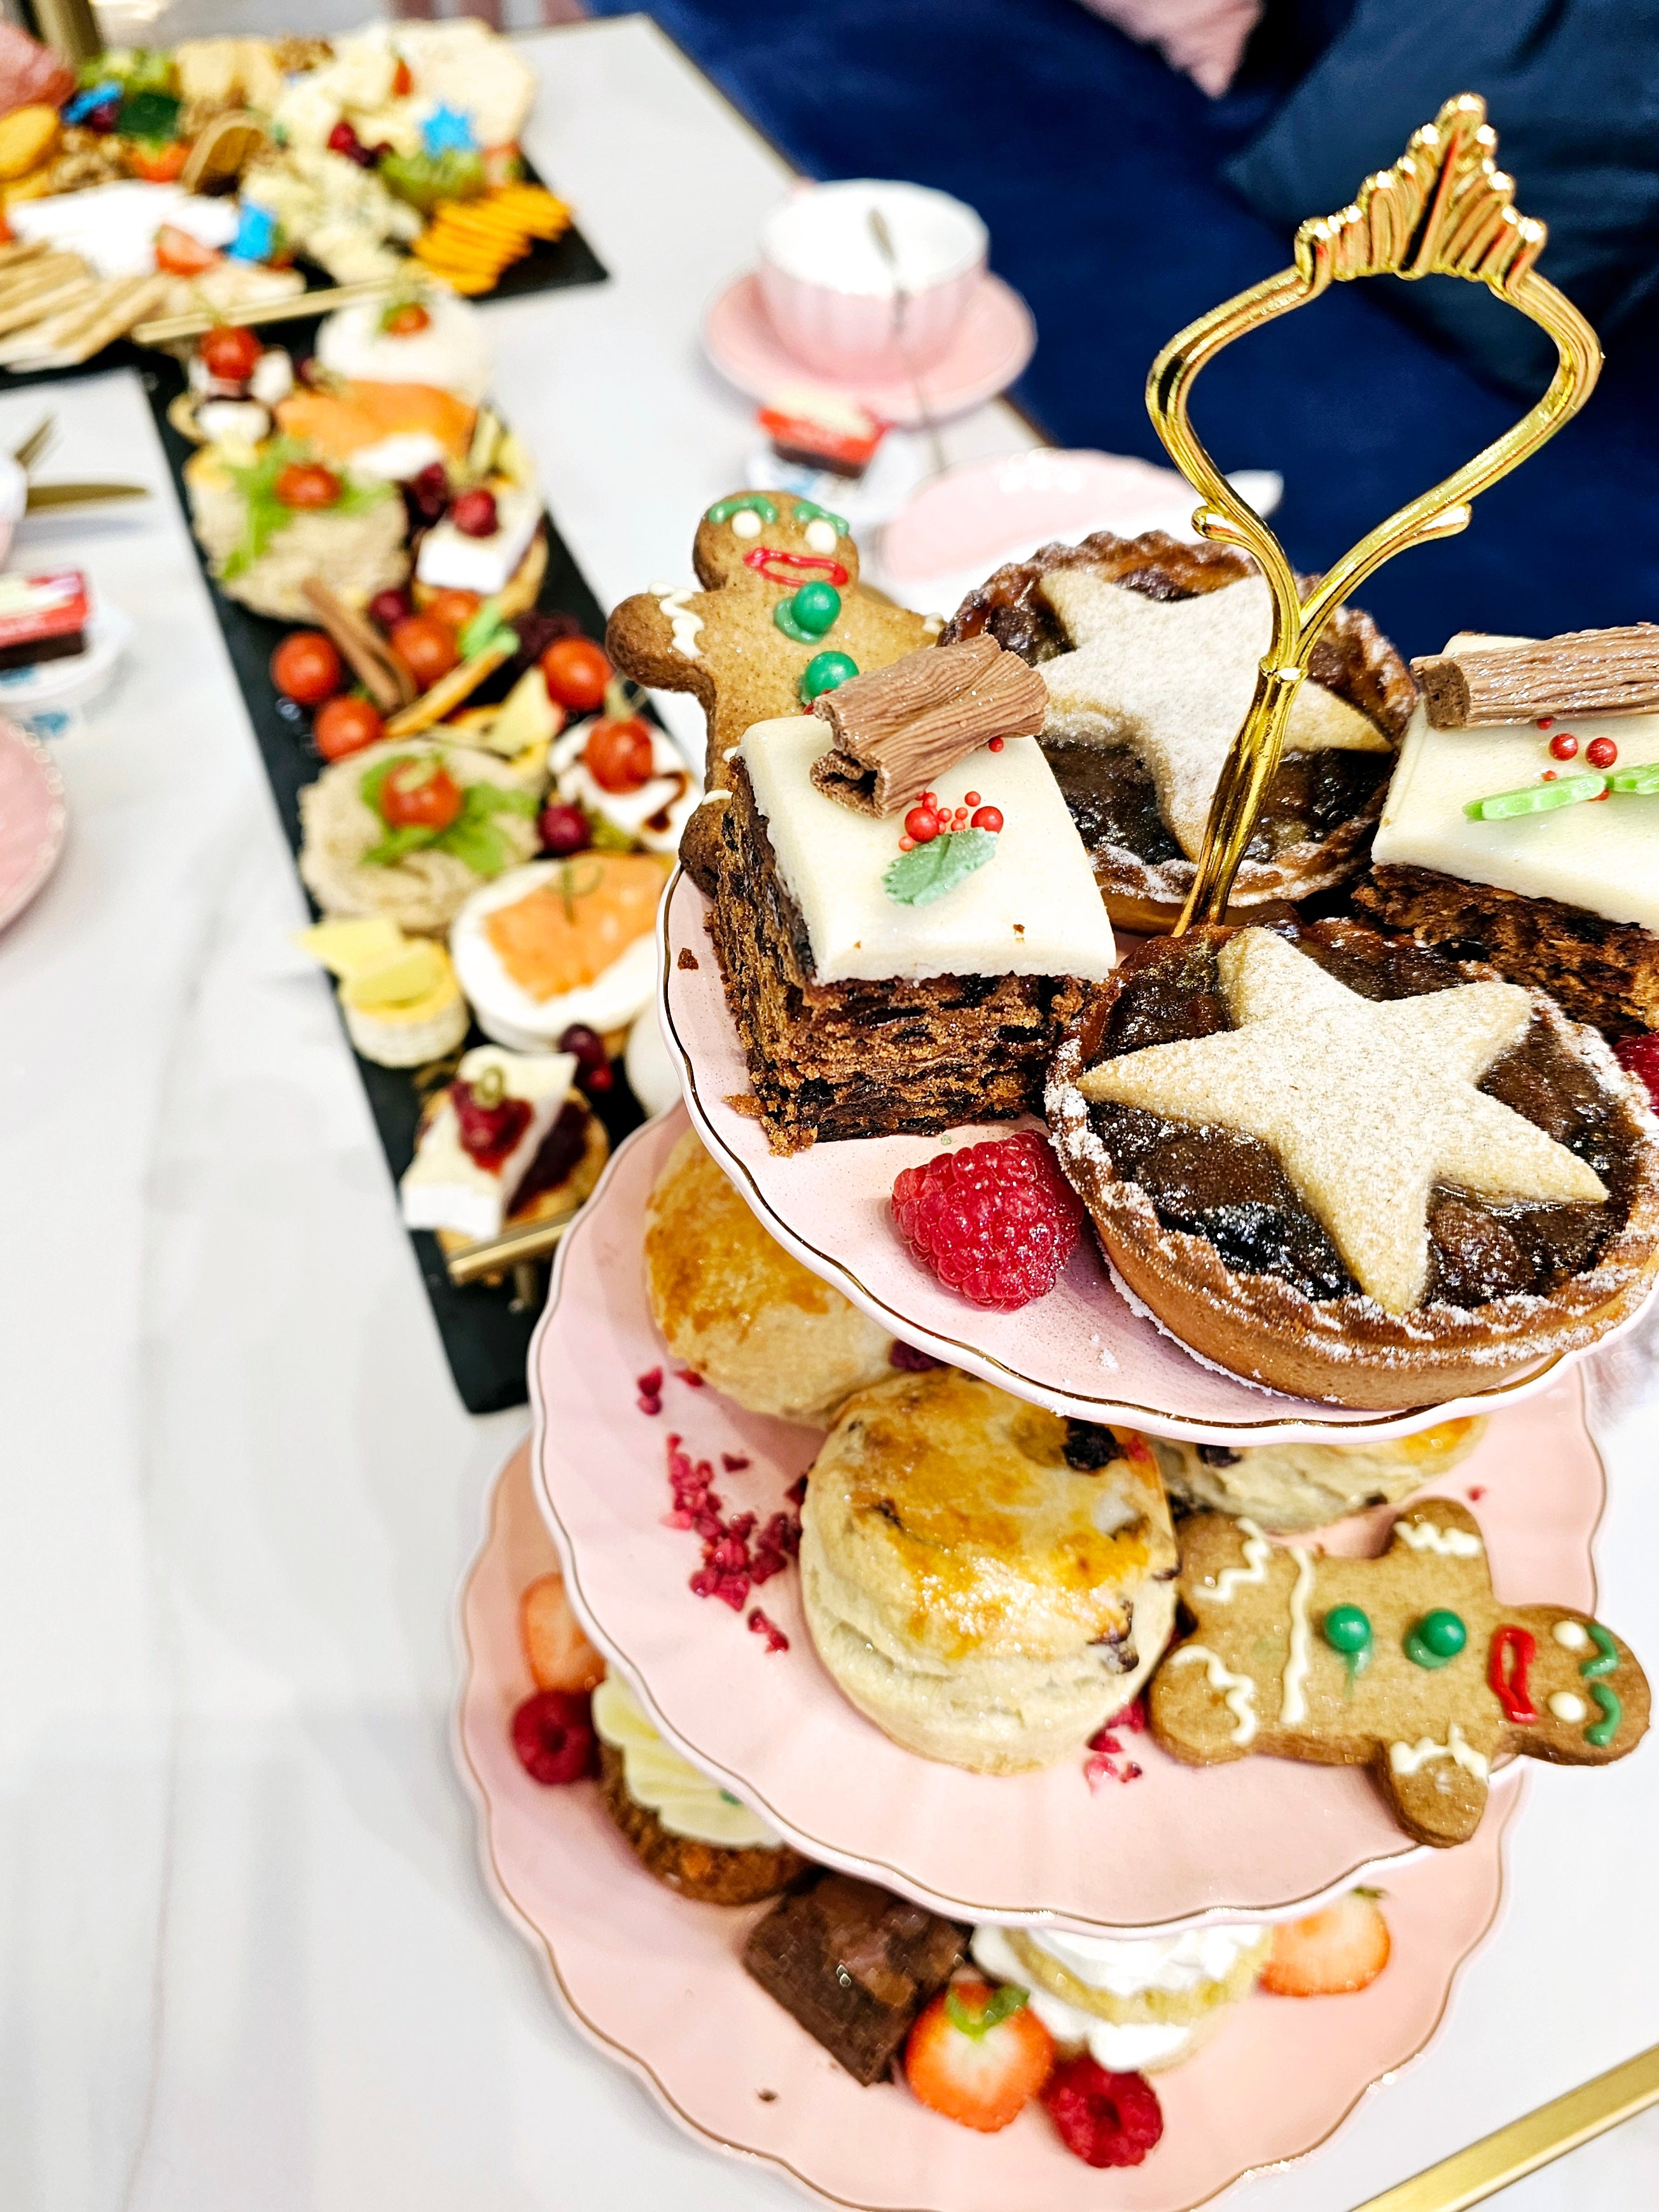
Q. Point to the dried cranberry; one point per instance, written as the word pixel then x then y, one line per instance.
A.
pixel 593 1069
pixel 343 139
pixel 564 829
pixel 389 608
pixel 1639 1056
pixel 426 495
pixel 474 514
pixel 553 1735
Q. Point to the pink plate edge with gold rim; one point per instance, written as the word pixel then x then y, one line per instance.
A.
pixel 992 343
pixel 1276 2083
pixel 1182 1845
pixel 831 1206
pixel 33 819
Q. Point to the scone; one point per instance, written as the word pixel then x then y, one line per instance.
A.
pixel 980 1600
pixel 1289 1487
pixel 1136 2004
pixel 690 1834
pixel 742 1312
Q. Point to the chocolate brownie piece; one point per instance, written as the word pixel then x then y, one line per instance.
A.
pixel 711 1873
pixel 866 1059
pixel 1603 972
pixel 855 1965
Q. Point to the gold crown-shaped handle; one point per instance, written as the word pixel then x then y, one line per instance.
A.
pixel 1445 208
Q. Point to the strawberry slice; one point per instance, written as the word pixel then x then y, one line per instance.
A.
pixel 560 1657
pixel 978 2054
pixel 1330 1953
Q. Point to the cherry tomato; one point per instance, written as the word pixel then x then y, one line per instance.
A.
pixel 618 756
pixel 305 483
pixel 474 514
pixel 178 254
pixel 346 725
pixel 405 321
pixel 428 644
pixel 306 667
pixel 158 165
pixel 454 606
pixel 389 608
pixel 577 672
pixel 230 352
pixel 419 794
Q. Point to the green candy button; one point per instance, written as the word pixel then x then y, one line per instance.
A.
pixel 827 672
pixel 1347 1629
pixel 1438 1638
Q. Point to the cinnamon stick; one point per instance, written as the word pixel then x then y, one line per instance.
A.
pixel 898 730
pixel 1584 671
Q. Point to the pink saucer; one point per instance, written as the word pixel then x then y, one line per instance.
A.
pixel 33 819
pixel 1179 1844
pixel 1082 1349
pixel 658 1984
pixel 994 340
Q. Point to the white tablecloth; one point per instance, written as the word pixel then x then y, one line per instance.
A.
pixel 247 1958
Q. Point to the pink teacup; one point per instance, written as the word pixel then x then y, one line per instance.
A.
pixel 830 291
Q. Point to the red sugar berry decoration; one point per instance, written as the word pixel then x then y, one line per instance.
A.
pixel 1544 721
pixel 1639 1056
pixel 922 825
pixel 988 817
pixel 1546 775
pixel 996 1221
pixel 995 744
pixel 760 1625
pixel 970 799
pixel 1104 2120
pixel 553 1735
pixel 1564 745
pixel 1600 752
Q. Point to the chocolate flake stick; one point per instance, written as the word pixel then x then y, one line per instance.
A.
pixel 1586 672
pixel 899 729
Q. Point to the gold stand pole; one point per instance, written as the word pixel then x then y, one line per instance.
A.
pixel 1445 208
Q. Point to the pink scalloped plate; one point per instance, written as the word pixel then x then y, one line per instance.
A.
pixel 1083 1350
pixel 1179 1844
pixel 658 1984
pixel 995 339
pixel 33 819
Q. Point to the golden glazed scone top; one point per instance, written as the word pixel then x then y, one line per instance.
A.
pixel 949 1504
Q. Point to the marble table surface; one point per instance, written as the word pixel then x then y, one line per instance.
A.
pixel 247 1958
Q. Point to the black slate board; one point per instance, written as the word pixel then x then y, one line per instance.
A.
pixel 485 1338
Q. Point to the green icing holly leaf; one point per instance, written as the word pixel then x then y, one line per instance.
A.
pixel 929 871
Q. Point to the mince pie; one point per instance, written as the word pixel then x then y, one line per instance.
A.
pixel 1149 647
pixel 1353 1170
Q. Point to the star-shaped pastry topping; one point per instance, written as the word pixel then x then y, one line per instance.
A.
pixel 1368 1103
pixel 1173 678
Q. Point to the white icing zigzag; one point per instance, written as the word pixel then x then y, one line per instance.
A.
pixel 1293 1697
pixel 1238 1690
pixel 1405 1757
pixel 685 622
pixel 1430 1536
pixel 1257 1553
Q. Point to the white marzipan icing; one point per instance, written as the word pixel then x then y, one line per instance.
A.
pixel 1033 909
pixel 1237 1691
pixel 1602 858
pixel 1430 1536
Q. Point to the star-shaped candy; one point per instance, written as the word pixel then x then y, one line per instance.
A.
pixel 1173 679
pixel 447 131
pixel 1367 1103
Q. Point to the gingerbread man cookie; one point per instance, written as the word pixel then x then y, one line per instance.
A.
pixel 780 618
pixel 1407 1664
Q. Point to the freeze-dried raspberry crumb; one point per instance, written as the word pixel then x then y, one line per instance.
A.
pixel 649 1385
pixel 1132 1718
pixel 733 1462
pixel 997 1221
pixel 796 1493
pixel 760 1625
pixel 1104 2120
pixel 688 1375
pixel 553 1735
pixel 906 1357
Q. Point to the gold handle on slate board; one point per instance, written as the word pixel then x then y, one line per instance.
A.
pixel 1470 2176
pixel 1445 208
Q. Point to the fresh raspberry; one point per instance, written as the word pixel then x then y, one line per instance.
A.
pixel 1104 2120
pixel 1639 1056
pixel 997 1222
pixel 553 1735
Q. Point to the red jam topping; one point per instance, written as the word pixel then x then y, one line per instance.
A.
pixel 490 1122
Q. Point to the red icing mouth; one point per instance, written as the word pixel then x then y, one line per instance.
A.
pixel 796 568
